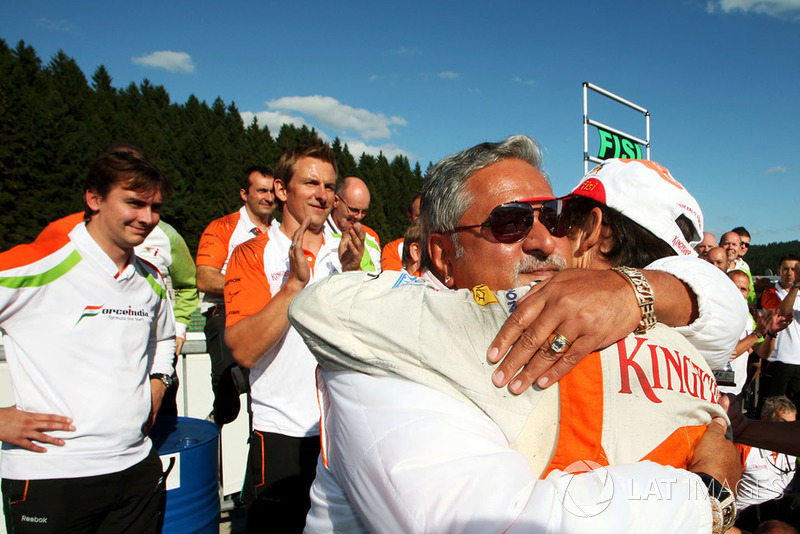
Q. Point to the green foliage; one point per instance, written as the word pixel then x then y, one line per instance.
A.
pixel 54 122
pixel 763 257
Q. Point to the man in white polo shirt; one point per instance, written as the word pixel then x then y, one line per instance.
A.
pixel 264 275
pixel 89 336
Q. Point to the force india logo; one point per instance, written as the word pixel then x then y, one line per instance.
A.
pixel 115 314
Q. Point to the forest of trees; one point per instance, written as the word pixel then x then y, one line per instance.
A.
pixel 763 257
pixel 54 123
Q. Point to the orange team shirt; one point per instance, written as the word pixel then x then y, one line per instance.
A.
pixel 390 257
pixel 770 300
pixel 253 277
pixel 213 247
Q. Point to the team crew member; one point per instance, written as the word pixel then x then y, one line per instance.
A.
pixel 263 276
pixel 219 239
pixel 104 361
pixel 392 254
pixel 766 474
pixel 167 251
pixel 350 206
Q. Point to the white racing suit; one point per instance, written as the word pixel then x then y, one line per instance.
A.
pixel 417 439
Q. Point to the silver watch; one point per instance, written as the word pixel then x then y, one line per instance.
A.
pixel 167 380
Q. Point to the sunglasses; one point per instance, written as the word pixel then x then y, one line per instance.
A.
pixel 512 222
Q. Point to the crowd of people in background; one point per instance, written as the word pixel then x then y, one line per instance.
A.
pixel 372 439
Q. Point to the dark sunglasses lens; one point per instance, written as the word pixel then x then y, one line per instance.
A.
pixel 548 216
pixel 510 224
pixel 554 217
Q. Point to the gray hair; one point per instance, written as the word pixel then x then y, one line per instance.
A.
pixel 445 198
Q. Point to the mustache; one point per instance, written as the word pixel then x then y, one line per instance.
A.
pixel 532 264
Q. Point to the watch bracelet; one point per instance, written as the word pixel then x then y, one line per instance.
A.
pixel 644 295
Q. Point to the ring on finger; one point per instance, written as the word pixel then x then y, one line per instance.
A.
pixel 558 343
pixel 292 245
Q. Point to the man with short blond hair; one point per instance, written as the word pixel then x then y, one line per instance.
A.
pixel 264 275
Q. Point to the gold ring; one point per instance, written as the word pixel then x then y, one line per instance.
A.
pixel 558 343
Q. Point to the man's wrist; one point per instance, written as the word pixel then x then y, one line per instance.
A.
pixel 723 503
pixel 644 296
pixel 166 380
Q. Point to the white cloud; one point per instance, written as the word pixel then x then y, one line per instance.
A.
pixel 373 77
pixel 448 75
pixel 773 170
pixel 273 120
pixel 166 59
pixel 775 8
pixel 517 79
pixel 389 150
pixel 331 113
pixel 61 25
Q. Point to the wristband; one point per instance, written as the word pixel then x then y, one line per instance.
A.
pixel 644 294
pixel 770 334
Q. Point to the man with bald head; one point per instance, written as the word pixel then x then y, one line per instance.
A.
pixel 350 206
pixel 731 242
pixel 708 242
pixel 718 257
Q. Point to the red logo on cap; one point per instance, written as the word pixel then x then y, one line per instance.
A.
pixel 592 188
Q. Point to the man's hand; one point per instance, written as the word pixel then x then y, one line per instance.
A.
pixel 716 456
pixel 179 341
pixel 299 271
pixel 23 428
pixel 351 247
pixel 779 322
pixel 157 390
pixel 734 411
pixel 592 309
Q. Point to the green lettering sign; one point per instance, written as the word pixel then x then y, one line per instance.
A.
pixel 617 146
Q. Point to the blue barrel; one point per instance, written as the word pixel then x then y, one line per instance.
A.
pixel 188 449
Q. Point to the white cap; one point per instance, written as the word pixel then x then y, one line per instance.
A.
pixel 646 193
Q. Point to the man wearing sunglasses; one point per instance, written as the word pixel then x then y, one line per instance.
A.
pixel 472 453
pixel 350 206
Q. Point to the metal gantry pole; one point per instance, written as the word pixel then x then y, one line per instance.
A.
pixel 589 122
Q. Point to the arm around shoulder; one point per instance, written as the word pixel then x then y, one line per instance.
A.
pixel 721 310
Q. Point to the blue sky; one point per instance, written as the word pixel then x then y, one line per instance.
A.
pixel 721 78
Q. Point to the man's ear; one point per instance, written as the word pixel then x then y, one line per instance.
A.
pixel 593 233
pixel 243 195
pixel 280 189
pixel 415 251
pixel 440 249
pixel 93 200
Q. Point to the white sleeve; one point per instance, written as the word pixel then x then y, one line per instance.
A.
pixel 163 335
pixel 413 459
pixel 723 311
